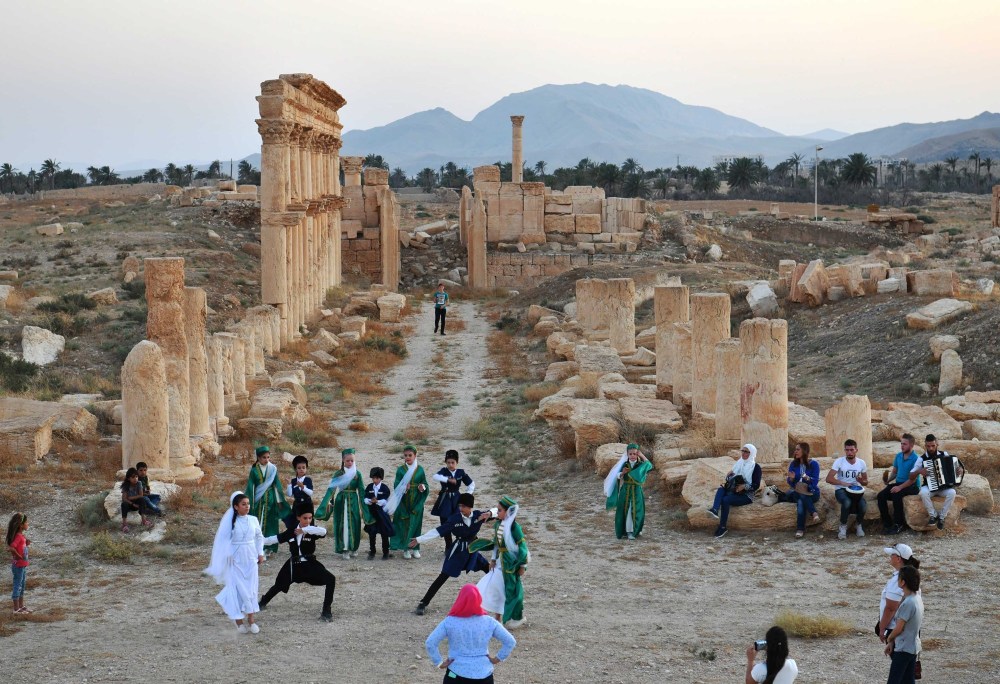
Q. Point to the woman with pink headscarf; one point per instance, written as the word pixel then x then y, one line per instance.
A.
pixel 469 629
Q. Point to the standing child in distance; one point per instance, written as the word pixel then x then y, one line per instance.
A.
pixel 623 487
pixel 451 478
pixel 18 545
pixel 441 300
pixel 300 489
pixel 133 499
pixel 377 521
pixel 406 504
pixel 343 501
pixel 267 500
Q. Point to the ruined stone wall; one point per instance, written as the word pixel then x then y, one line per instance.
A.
pixel 104 192
pixel 523 269
pixel 367 246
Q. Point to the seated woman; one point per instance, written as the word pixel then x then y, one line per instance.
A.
pixel 741 484
pixel 803 478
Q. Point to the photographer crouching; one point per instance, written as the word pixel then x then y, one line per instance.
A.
pixel 777 667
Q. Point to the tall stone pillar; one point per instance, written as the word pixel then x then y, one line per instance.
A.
pixel 388 211
pixel 591 304
pixel 620 304
pixel 476 245
pixel 195 311
pixel 227 352
pixel 464 209
pixel 680 364
pixel 709 326
pixel 851 418
pixel 517 158
pixel 764 387
pixel 727 392
pixel 352 170
pixel 216 387
pixel 670 305
pixel 165 301
pixel 146 410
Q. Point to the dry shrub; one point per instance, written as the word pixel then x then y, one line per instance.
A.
pixel 565 442
pixel 358 426
pixel 535 393
pixel 412 433
pixel 508 359
pixel 587 387
pixel 11 624
pixel 811 626
pixel 318 432
pixel 112 548
pixel 15 301
pixel 456 325
pixel 632 433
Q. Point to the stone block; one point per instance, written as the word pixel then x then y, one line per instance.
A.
pixel 350 228
pixel 589 224
pixel 887 286
pixel 555 223
pixel 50 229
pixel 940 343
pixel 561 370
pixel 104 296
pixel 951 372
pixel 806 425
pixel 762 300
pixel 814 283
pixel 25 439
pixel 597 360
pixel 354 324
pixel 920 420
pixel 606 456
pixel 265 429
pixel 937 313
pixel 324 341
pixel 588 205
pixel 937 282
pixel 277 403
pixel 40 346
pixel 595 421
pixel 658 415
pixel 324 359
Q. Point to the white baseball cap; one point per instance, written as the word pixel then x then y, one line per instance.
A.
pixel 901 550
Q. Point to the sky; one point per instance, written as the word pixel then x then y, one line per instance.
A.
pixel 136 83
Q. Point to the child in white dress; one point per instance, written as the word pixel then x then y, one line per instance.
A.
pixel 236 553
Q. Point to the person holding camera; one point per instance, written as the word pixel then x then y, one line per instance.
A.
pixel 777 667
pixel 902 644
pixel 741 484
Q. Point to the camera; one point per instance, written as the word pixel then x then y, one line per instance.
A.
pixel 760 645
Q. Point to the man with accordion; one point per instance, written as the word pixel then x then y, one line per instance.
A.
pixel 942 473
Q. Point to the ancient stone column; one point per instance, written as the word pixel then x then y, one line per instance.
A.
pixel 227 351
pixel 851 418
pixel 464 209
pixel 670 305
pixel 517 158
pixel 680 364
pixel 709 326
pixel 591 304
pixel 388 210
pixel 352 170
pixel 146 410
pixel 727 392
pixel 239 360
pixel 620 304
pixel 764 387
pixel 165 300
pixel 195 311
pixel 476 244
pixel 274 316
pixel 216 386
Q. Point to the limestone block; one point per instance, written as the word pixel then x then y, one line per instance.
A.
pixel 978 494
pixel 606 456
pixel 265 429
pixel 658 415
pixel 814 283
pixel 916 514
pixel 620 306
pixel 806 425
pixel 293 385
pixel 113 501
pixel 588 205
pixel 324 359
pixel 973 405
pixel 277 403
pixel 105 296
pixel 764 387
pixel 563 344
pixel 828 500
pixel 647 339
pixel 558 407
pixel 40 346
pixel 951 372
pixel 836 293
pixel 681 372
pixel 50 229
pixel 795 291
pixel 536 312
pixel 226 185
pixel 642 357
pixel 920 420
pixel 714 253
pixel 887 286
pixel 597 360
pixel 560 370
pixel 353 324
pixel 704 477
pixel 5 292
pixel 247 189
pixel 710 312
pixel 756 516
pixel 727 392
pixel 940 343
pixel 937 282
pixel 390 306
pixel 546 326
pixel 595 421
pixel 588 223
pixel 851 418
pixel 25 439
pixel 619 389
pixel 762 300
pixel 937 313
pixel 985 430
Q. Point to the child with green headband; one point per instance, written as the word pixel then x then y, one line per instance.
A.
pixel 510 557
pixel 406 505
pixel 267 500
pixel 343 500
pixel 623 487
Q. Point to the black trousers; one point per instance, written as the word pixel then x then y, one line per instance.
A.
pixel 371 543
pixel 458 679
pixel 886 495
pixel 310 572
pixel 435 586
pixel 439 317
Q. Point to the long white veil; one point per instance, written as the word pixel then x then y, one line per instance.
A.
pixel 218 569
pixel 400 490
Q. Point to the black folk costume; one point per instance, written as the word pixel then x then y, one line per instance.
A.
pixel 447 501
pixel 458 558
pixel 302 566
pixel 377 521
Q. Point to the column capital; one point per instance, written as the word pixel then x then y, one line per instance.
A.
pixel 332 202
pixel 275 131
pixel 517 120
pixel 351 165
pixel 281 218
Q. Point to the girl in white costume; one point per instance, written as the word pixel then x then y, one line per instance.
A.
pixel 236 553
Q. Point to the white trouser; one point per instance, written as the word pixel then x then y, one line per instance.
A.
pixel 949 497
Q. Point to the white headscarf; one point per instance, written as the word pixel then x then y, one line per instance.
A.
pixel 222 552
pixel 611 481
pixel 344 480
pixel 507 527
pixel 745 466
pixel 400 490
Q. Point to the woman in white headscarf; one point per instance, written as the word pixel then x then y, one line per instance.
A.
pixel 236 553
pixel 741 484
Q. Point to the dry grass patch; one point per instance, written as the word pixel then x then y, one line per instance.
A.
pixel 412 433
pixel 509 361
pixel 359 426
pixel 812 626
pixel 535 393
pixel 586 388
pixel 11 624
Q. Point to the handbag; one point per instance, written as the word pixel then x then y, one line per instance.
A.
pixel 916 670
pixel 736 485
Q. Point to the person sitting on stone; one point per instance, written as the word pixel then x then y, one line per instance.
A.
pixel 803 478
pixel 903 481
pixel 946 491
pixel 848 471
pixel 134 499
pixel 741 484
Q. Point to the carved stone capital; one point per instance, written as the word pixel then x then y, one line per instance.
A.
pixel 275 132
pixel 517 120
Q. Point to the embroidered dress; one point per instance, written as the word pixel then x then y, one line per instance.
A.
pixel 346 510
pixel 239 594
pixel 267 500
pixel 629 501
pixel 509 562
pixel 408 520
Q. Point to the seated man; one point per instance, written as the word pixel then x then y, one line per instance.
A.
pixel 947 491
pixel 846 471
pixel 904 480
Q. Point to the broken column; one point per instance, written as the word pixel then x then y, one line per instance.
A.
pixel 388 212
pixel 670 305
pixel 727 393
pixel 620 304
pixel 216 387
pixel 352 170
pixel 850 418
pixel 145 410
pixel 680 363
pixel 764 387
pixel 464 215
pixel 950 380
pixel 709 326
pixel 517 158
pixel 476 245
pixel 165 299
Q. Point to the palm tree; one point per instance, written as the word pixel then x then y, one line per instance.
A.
pixel 742 173
pixel 152 176
pixel 975 157
pixel 858 170
pixel 635 186
pixel 94 174
pixel 427 179
pixel 952 162
pixel 7 173
pixel 631 166
pixel 662 184
pixel 540 168
pixel 215 169
pixel 49 169
pixel 988 163
pixel 707 182
pixel 172 172
pixel 608 176
pixel 188 174
pixel 32 179
pixel 375 161
pixel 397 179
pixel 795 160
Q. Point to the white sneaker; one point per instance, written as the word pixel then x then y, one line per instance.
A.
pixel 406 555
pixel 632 537
pixel 842 533
pixel 860 531
pixel 346 555
pixel 354 554
pixel 254 629
pixel 513 624
pixel 416 554
pixel 242 628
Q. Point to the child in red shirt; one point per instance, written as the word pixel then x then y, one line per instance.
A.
pixel 18 544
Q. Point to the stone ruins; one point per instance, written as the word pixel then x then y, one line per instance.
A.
pixel 370 224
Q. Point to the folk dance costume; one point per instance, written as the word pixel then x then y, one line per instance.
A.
pixel 458 557
pixel 238 544
pixel 447 501
pixel 625 494
pixel 267 500
pixel 345 492
pixel 302 567
pixel 511 555
pixel 406 505
pixel 377 521
pixel 300 491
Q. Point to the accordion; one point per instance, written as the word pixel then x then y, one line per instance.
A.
pixel 943 471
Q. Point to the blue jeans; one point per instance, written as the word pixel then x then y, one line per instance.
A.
pixel 901 670
pixel 723 501
pixel 20 576
pixel 803 503
pixel 846 503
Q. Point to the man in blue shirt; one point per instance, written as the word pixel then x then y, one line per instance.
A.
pixel 440 307
pixel 903 480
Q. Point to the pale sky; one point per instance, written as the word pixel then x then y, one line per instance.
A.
pixel 127 82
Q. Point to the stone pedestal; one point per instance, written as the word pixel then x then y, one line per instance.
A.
pixel 680 364
pixel 670 305
pixel 620 304
pixel 851 418
pixel 727 393
pixel 709 326
pixel 517 156
pixel 764 387
pixel 590 304
pixel 145 410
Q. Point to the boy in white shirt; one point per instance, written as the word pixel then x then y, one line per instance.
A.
pixel 846 471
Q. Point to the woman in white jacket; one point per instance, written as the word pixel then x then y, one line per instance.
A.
pixel 237 552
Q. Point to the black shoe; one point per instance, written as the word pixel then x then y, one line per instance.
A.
pixel 419 610
pixel 932 520
pixel 386 556
pixel 371 555
pixel 940 523
pixel 263 606
pixel 714 513
pixel 895 529
pixel 721 532
pixel 326 616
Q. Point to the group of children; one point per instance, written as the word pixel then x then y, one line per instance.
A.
pixel 137 497
pixel 251 528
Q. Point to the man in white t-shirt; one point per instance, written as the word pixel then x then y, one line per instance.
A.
pixel 846 471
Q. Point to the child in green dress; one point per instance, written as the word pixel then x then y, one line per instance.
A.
pixel 343 501
pixel 623 487
pixel 406 504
